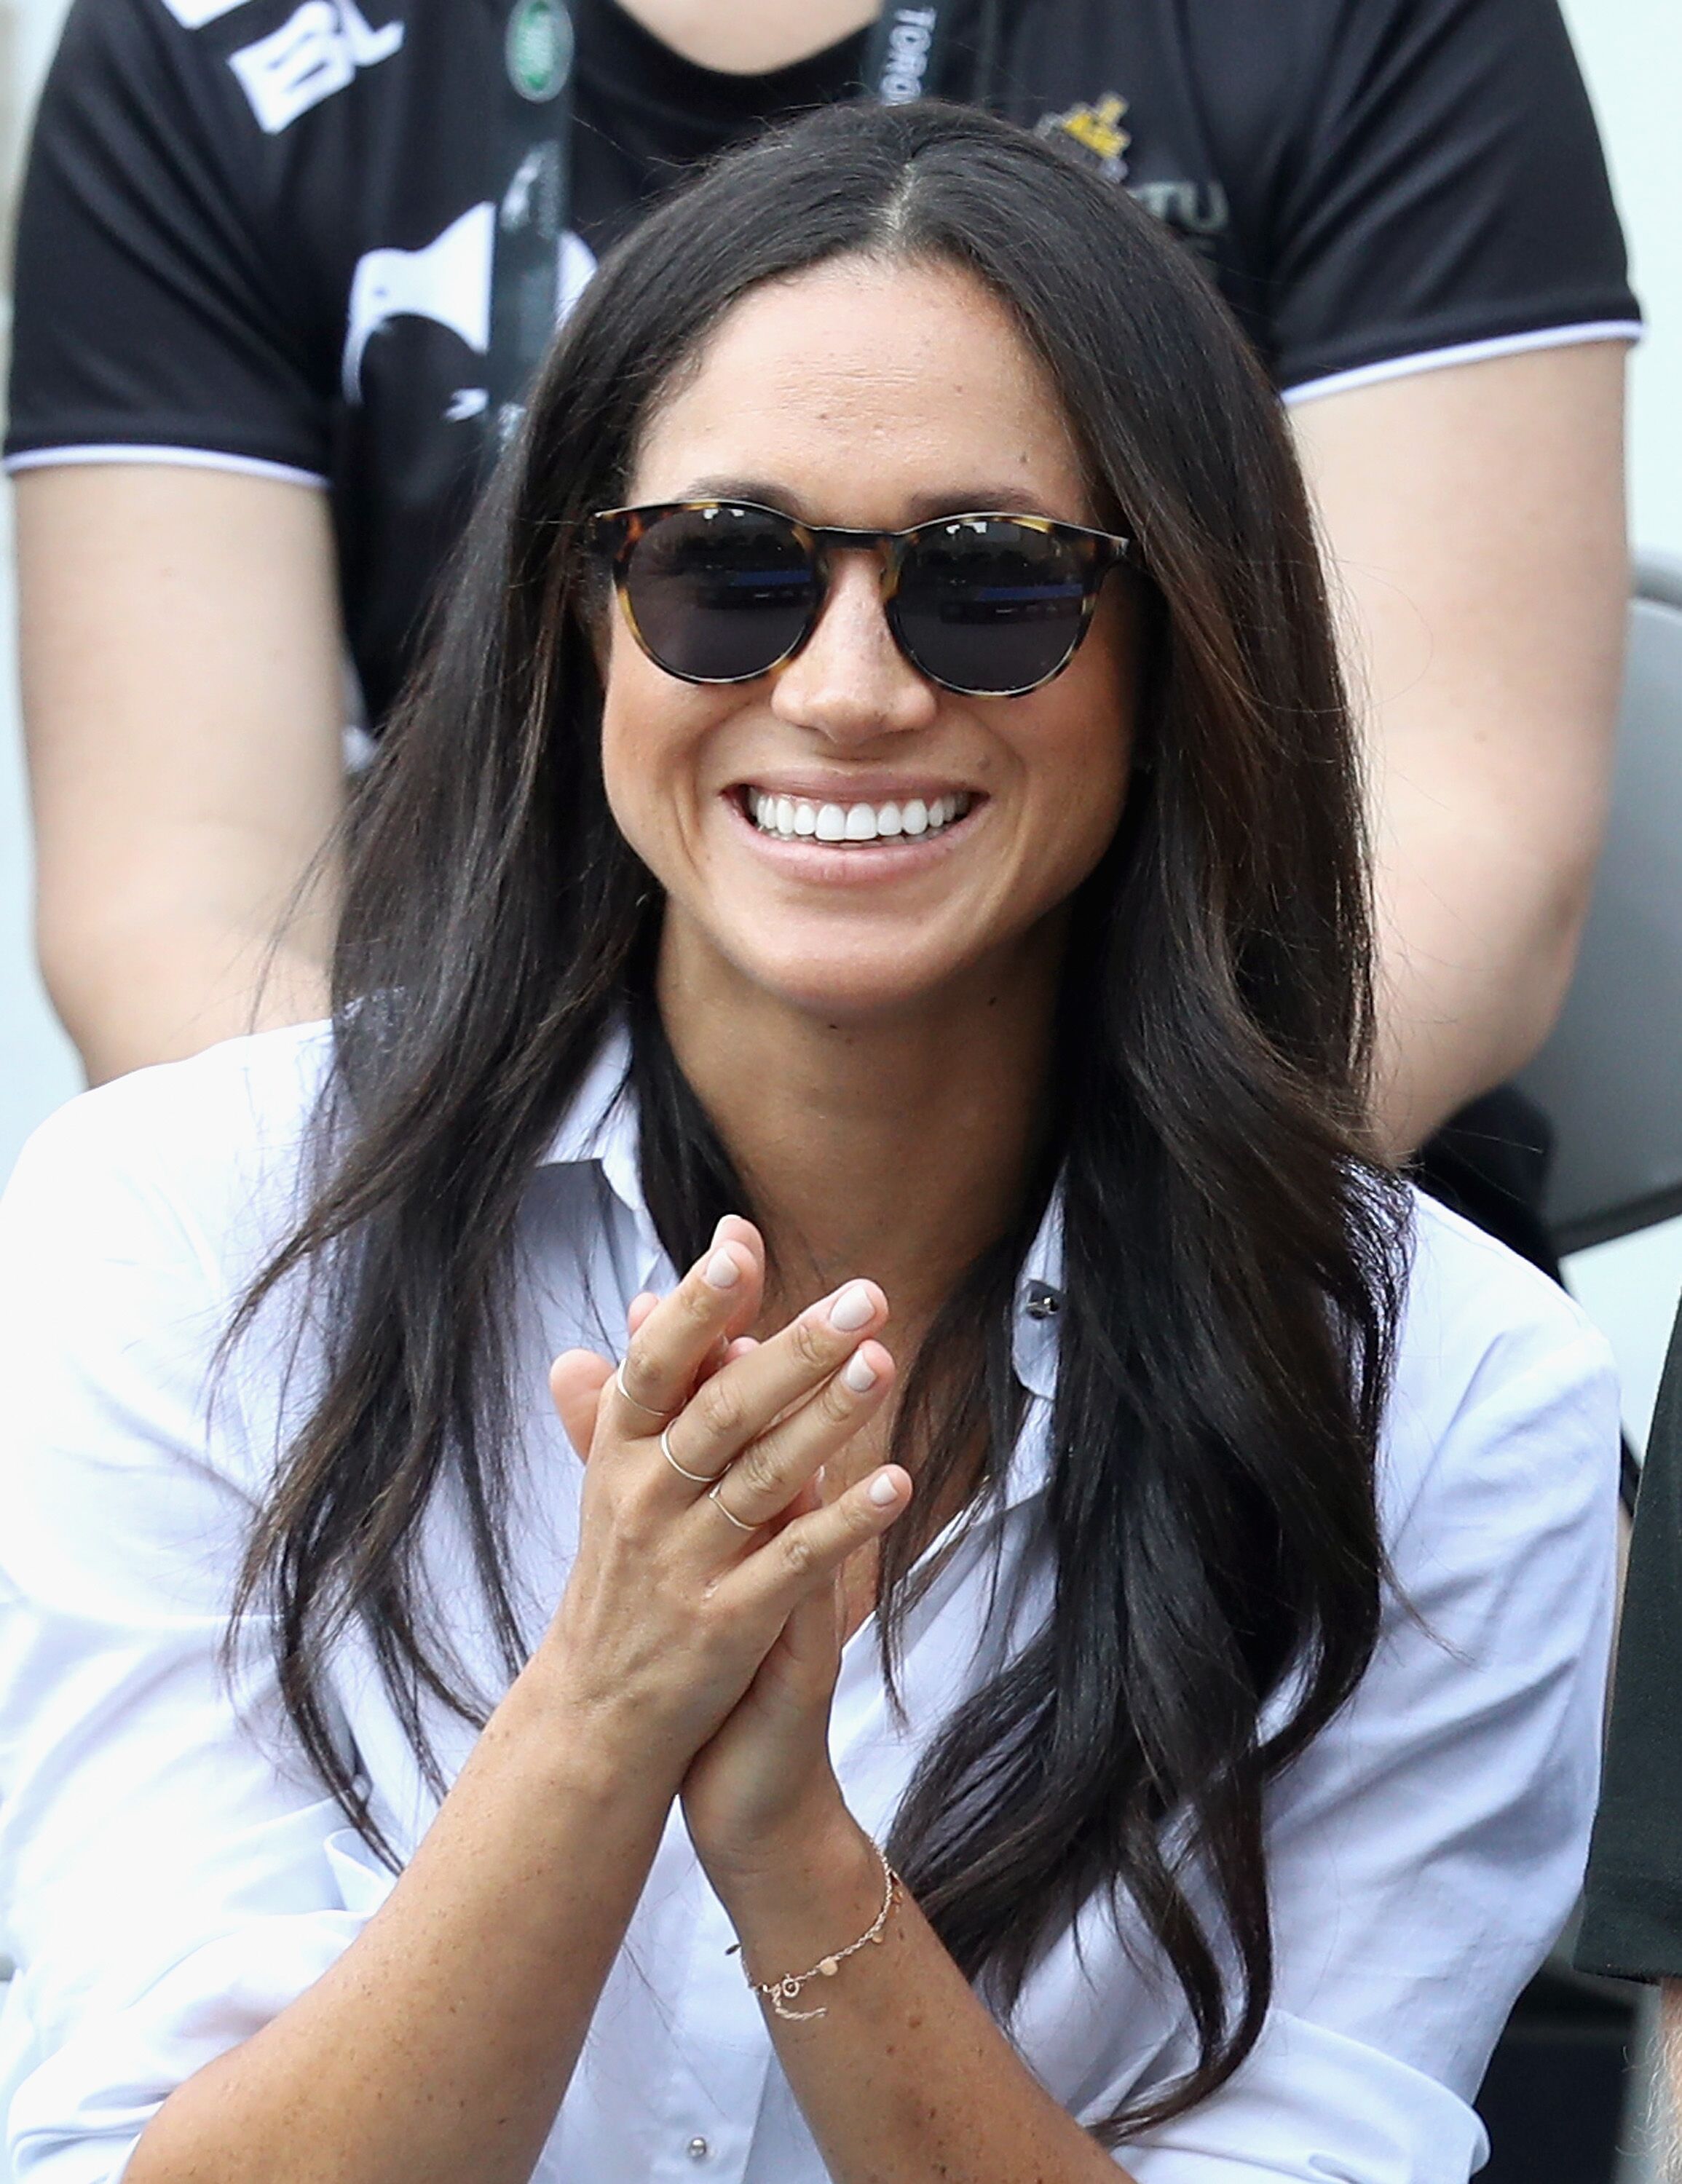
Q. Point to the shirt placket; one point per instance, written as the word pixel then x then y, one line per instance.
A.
pixel 710 2103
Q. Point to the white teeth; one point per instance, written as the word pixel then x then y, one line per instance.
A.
pixel 791 818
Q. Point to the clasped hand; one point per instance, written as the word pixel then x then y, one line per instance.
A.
pixel 704 1651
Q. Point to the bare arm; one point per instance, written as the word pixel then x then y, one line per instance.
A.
pixel 438 2049
pixel 1475 520
pixel 907 2076
pixel 184 704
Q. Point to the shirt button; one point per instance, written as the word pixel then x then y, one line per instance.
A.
pixel 698 2149
pixel 1042 1302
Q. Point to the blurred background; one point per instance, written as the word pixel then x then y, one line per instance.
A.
pixel 1631 53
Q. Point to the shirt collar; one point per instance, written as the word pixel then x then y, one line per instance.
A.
pixel 601 1126
pixel 599 1130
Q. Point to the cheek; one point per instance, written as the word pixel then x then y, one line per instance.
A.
pixel 655 733
pixel 634 735
pixel 1083 741
pixel 618 742
pixel 1090 798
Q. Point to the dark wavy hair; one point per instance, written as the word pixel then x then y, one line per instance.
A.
pixel 1233 1249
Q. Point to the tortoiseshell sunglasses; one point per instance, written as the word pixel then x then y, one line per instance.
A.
pixel 723 590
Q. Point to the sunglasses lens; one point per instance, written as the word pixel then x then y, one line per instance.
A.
pixel 989 607
pixel 719 594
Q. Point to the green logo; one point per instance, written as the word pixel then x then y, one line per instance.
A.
pixel 539 48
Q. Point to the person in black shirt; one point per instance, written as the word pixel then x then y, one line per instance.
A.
pixel 1632 1919
pixel 250 404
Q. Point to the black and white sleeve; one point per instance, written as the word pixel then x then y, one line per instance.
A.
pixel 1444 197
pixel 160 313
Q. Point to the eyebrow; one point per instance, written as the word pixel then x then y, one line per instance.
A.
pixel 920 508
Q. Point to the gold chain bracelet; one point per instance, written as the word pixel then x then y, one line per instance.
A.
pixel 782 1992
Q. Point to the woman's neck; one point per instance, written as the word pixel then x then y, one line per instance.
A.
pixel 749 38
pixel 896 1146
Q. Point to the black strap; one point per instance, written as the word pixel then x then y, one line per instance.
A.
pixel 533 146
pixel 532 141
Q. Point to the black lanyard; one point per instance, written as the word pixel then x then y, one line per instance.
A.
pixel 533 146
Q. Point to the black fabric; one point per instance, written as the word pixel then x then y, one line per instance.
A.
pixel 260 228
pixel 1632 1922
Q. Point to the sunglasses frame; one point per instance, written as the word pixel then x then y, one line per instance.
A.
pixel 616 533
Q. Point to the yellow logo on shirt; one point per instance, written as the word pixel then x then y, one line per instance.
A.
pixel 1096 128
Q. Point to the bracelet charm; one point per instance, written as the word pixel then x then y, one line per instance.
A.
pixel 780 1992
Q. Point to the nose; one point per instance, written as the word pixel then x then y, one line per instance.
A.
pixel 850 682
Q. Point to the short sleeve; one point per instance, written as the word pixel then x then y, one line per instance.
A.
pixel 171 1877
pixel 1445 188
pixel 157 305
pixel 1632 1923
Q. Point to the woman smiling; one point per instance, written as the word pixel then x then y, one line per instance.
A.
pixel 1075 1645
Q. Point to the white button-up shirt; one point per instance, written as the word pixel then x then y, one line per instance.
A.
pixel 172 1876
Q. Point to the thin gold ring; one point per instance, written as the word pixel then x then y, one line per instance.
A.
pixel 695 1478
pixel 714 1497
pixel 647 1409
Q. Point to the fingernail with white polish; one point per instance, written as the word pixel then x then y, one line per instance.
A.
pixel 883 1490
pixel 852 1309
pixel 721 1271
pixel 859 1373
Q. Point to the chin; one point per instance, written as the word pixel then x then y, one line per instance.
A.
pixel 853 993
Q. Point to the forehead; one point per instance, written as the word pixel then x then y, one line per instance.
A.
pixel 859 387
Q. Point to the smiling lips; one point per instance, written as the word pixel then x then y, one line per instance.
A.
pixel 793 818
